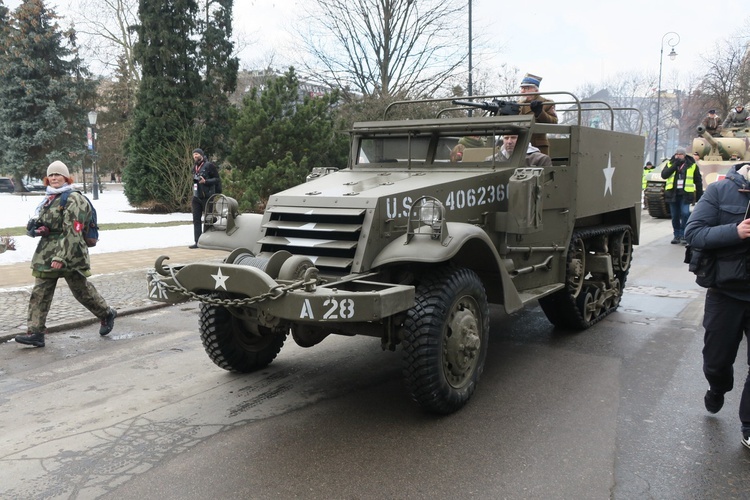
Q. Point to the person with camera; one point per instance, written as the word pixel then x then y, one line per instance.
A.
pixel 719 232
pixel 61 253
pixel 684 187
pixel 543 109
pixel 206 183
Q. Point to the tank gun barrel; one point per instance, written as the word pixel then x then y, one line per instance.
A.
pixel 703 133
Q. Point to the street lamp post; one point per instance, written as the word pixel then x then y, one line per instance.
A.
pixel 470 66
pixel 92 146
pixel 673 40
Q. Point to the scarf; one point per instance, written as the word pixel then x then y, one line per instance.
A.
pixel 50 194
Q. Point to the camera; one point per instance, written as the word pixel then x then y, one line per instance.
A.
pixel 32 224
pixel 196 178
pixel 35 228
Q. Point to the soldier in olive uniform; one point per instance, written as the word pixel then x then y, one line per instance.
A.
pixel 543 109
pixel 61 253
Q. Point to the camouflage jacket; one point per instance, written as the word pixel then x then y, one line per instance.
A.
pixel 65 242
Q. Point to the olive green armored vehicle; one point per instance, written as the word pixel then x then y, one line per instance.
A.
pixel 716 154
pixel 409 247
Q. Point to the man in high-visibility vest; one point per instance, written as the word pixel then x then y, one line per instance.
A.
pixel 646 171
pixel 684 186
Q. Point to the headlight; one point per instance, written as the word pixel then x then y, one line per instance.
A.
pixel 429 213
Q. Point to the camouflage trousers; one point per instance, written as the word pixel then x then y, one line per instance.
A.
pixel 44 290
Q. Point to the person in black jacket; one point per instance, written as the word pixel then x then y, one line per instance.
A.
pixel 720 227
pixel 684 186
pixel 206 182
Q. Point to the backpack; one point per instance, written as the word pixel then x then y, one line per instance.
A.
pixel 90 229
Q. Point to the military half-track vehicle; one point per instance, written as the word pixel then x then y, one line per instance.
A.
pixel 716 154
pixel 409 247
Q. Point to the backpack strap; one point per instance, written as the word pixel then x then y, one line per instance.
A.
pixel 64 197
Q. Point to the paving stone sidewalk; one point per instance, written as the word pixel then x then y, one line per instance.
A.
pixel 120 277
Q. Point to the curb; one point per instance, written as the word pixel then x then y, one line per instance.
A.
pixel 59 327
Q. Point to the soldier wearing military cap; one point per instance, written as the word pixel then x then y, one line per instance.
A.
pixel 543 109
pixel 712 123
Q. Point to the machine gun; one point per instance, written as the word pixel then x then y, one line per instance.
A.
pixel 494 107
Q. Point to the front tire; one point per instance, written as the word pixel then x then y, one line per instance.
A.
pixel 445 342
pixel 230 344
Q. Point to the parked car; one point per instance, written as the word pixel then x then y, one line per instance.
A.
pixel 35 185
pixel 6 185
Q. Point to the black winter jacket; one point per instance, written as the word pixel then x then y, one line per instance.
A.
pixel 712 226
pixel 208 171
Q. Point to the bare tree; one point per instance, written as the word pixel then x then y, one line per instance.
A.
pixel 106 24
pixel 725 83
pixel 383 48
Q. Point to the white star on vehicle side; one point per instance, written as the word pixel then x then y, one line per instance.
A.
pixel 220 280
pixel 608 173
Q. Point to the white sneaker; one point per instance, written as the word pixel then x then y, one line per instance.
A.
pixel 746 441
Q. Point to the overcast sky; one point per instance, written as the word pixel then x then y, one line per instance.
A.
pixel 569 43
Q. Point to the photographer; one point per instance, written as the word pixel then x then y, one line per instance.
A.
pixel 206 183
pixel 719 228
pixel 684 186
pixel 61 253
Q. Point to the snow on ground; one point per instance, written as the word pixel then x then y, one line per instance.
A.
pixel 111 207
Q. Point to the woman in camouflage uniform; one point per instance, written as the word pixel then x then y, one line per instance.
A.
pixel 61 253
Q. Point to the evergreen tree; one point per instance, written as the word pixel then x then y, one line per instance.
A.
pixel 219 69
pixel 167 95
pixel 281 130
pixel 44 92
pixel 113 122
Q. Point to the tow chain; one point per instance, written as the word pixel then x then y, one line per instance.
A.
pixel 274 293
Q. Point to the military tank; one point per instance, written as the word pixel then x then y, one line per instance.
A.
pixel 653 194
pixel 410 247
pixel 716 154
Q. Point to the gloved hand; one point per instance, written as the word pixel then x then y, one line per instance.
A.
pixel 40 231
pixel 536 107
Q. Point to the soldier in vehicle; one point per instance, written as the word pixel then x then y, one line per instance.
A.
pixel 534 158
pixel 737 117
pixel 684 186
pixel 457 153
pixel 712 123
pixel 543 109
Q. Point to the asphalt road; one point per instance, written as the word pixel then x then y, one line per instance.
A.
pixel 612 412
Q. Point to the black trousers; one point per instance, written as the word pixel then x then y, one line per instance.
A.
pixel 726 319
pixel 198 205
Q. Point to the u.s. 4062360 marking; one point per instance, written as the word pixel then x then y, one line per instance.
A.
pixel 333 309
pixel 456 200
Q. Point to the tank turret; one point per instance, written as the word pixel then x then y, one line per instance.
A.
pixel 717 154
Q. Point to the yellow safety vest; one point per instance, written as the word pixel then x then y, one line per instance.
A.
pixel 689 186
pixel 645 175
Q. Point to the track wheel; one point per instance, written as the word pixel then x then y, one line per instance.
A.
pixel 589 304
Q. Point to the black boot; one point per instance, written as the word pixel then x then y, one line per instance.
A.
pixel 31 338
pixel 108 323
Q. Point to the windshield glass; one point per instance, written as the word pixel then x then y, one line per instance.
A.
pixel 428 150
